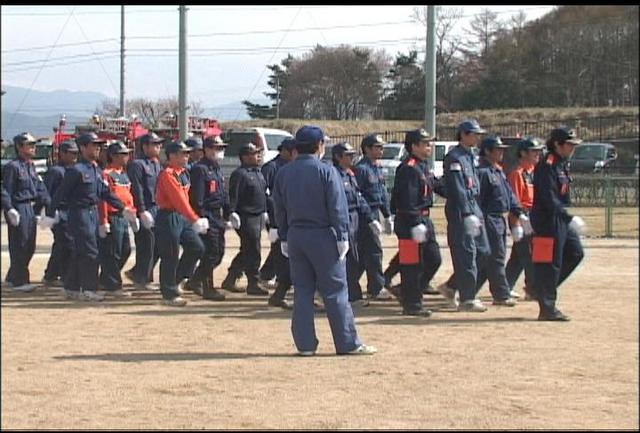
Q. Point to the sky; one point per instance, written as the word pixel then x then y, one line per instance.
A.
pixel 78 47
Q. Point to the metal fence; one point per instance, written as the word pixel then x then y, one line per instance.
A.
pixel 588 128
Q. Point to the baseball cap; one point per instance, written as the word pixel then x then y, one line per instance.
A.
pixel 68 146
pixel 529 143
pixel 23 138
pixel 310 134
pixel 90 137
pixel 175 147
pixel 565 135
pixel 248 149
pixel 151 138
pixel 287 144
pixel 195 143
pixel 214 141
pixel 117 147
pixel 416 136
pixel 470 125
pixel 342 148
pixel 372 140
pixel 492 142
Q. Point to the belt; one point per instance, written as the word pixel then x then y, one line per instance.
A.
pixel 422 212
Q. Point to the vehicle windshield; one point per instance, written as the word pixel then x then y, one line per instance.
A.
pixel 274 140
pixel 588 152
pixel 235 140
pixel 391 152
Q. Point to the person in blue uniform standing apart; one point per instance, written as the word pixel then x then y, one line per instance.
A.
pixel 62 241
pixel 313 226
pixel 556 246
pixel 210 200
pixel 466 234
pixel 143 173
pixel 372 184
pixel 411 201
pixel 279 262
pixel 82 188
pixel 248 198
pixel 177 224
pixel 26 196
pixel 359 213
pixel 496 199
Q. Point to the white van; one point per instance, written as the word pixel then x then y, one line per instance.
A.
pixel 437 157
pixel 266 138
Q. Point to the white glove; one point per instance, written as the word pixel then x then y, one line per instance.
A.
pixel 129 214
pixel 343 247
pixel 46 222
pixel 284 248
pixel 472 225
pixel 135 226
pixel 201 226
pixel 526 224
pixel 419 233
pixel 13 217
pixel 228 225
pixel 388 225
pixel 38 219
pixel 517 233
pixel 273 235
pixel 147 219
pixel 578 225
pixel 376 227
pixel 103 230
pixel 265 219
pixel 234 218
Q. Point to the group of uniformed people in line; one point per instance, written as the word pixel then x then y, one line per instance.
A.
pixel 324 222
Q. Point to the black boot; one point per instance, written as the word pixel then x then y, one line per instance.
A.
pixel 210 293
pixel 229 283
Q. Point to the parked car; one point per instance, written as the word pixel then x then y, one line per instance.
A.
pixel 440 151
pixel 593 158
pixel 392 155
pixel 266 138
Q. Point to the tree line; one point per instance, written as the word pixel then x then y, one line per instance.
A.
pixel 573 56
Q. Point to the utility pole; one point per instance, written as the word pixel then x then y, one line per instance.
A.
pixel 182 74
pixel 122 103
pixel 277 97
pixel 430 73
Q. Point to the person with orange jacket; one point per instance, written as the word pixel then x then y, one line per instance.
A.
pixel 521 181
pixel 177 224
pixel 114 246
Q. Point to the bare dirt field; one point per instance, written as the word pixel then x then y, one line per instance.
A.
pixel 134 363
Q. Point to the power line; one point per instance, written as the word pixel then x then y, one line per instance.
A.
pixel 42 47
pixel 73 56
pixel 85 59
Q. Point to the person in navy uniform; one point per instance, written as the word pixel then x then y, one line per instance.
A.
pixel 556 246
pixel 411 201
pixel 62 241
pixel 372 184
pixel 466 234
pixel 248 197
pixel 495 200
pixel 82 188
pixel 26 195
pixel 177 224
pixel 196 153
pixel 143 173
pixel 313 226
pixel 210 200
pixel 279 262
pixel 359 213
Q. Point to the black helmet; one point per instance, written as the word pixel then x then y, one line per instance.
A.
pixel 529 143
pixel 152 137
pixel 564 135
pixel 89 137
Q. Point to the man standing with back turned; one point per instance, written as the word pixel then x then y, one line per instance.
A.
pixel 313 224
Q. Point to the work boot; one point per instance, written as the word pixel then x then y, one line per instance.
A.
pixel 194 286
pixel 556 316
pixel 255 290
pixel 229 284
pixel 430 290
pixel 276 301
pixel 210 293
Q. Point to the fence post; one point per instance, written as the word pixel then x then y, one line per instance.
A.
pixel 608 216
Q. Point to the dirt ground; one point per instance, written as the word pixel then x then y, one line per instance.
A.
pixel 134 363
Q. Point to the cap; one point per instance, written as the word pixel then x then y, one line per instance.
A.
pixel 195 143
pixel 565 135
pixel 90 137
pixel 492 142
pixel 470 125
pixel 248 149
pixel 175 147
pixel 68 146
pixel 287 144
pixel 214 141
pixel 529 143
pixel 342 148
pixel 372 140
pixel 151 138
pixel 117 147
pixel 310 134
pixel 416 136
pixel 23 138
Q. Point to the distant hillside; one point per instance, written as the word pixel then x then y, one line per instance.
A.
pixel 39 103
pixel 39 126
